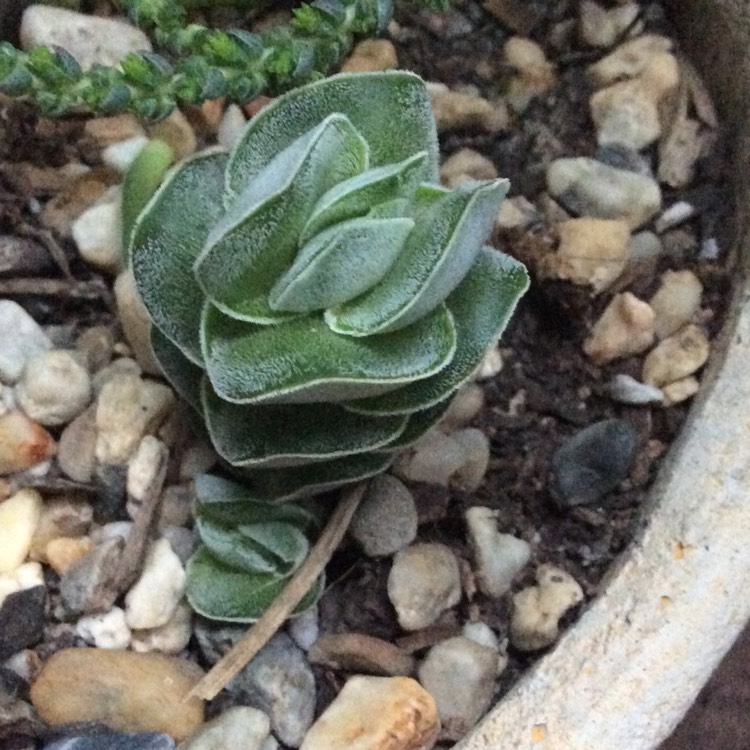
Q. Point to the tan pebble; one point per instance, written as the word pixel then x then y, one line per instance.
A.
pixel 629 112
pixel 676 357
pixel 680 390
pixel 537 609
pixel 135 322
pixel 23 443
pixel 377 713
pixel 127 691
pixel 592 252
pixel 177 133
pixel 455 110
pixel 75 454
pixel 466 164
pixel 629 59
pixel 676 301
pixel 60 212
pixel 535 74
pixel 602 27
pixel 371 54
pixel 64 551
pixel 679 150
pixel 626 327
pixel 61 517
pixel 108 130
pixel 127 409
pixel 357 652
pixel 19 517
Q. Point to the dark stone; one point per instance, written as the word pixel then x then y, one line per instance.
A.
pixel 110 503
pixel 21 620
pixel 593 462
pixel 86 586
pixel 621 157
pixel 114 741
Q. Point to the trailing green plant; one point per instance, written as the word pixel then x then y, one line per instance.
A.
pixel 195 62
pixel 317 296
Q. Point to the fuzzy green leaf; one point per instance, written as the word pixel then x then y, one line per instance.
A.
pixel 305 481
pixel 166 240
pixel 223 593
pixel 339 264
pixel 184 375
pixel 278 435
pixel 263 546
pixel 256 240
pixel 499 282
pixel 450 230
pixel 390 109
pixel 303 360
pixel 360 194
pixel 233 548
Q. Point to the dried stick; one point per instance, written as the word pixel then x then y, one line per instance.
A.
pixel 302 581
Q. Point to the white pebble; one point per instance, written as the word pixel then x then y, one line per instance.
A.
pixel 498 558
pixel 122 154
pixel 20 339
pixel 490 366
pixel 460 675
pixel 127 409
pixel 108 630
pixel 54 387
pixel 25 576
pixel 481 633
pixel 90 39
pixel 144 466
pixel 675 215
pixel 154 598
pixel 231 126
pixel 170 638
pixel 97 233
pixel 627 390
pixel 424 581
pixel 19 517
pixel 238 727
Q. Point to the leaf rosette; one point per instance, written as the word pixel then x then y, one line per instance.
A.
pixel 316 295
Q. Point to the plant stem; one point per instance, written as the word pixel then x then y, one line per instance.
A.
pixel 209 63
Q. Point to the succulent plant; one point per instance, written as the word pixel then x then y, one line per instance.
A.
pixel 316 295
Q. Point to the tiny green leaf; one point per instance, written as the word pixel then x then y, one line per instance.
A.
pixel 257 237
pixel 450 229
pixel 339 264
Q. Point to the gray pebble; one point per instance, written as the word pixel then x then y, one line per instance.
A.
pixel 593 462
pixel 21 620
pixel 280 683
pixel 386 521
pixel 115 741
